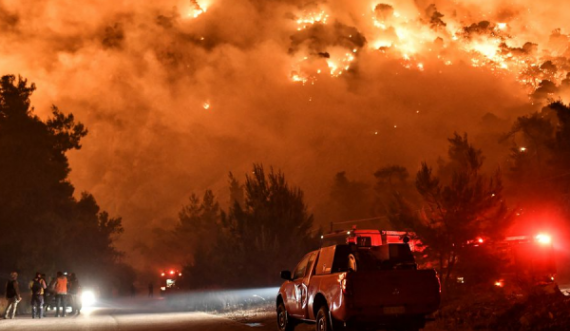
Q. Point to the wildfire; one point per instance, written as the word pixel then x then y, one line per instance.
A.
pixel 415 37
pixel 196 9
pixel 310 19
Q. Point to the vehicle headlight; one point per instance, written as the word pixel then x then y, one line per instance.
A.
pixel 87 298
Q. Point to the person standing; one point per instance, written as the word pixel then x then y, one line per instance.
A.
pixel 38 287
pixel 60 293
pixel 12 295
pixel 150 290
pixel 73 289
pixel 49 293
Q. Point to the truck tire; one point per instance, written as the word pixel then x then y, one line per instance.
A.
pixel 284 322
pixel 323 320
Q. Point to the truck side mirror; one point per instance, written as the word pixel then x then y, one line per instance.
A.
pixel 286 274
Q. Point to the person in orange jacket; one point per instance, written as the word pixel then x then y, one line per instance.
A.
pixel 60 289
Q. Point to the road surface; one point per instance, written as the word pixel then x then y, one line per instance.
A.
pixel 143 314
pixel 135 314
pixel 118 320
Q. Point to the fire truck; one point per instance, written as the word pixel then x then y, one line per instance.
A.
pixel 168 281
pixel 527 260
pixel 370 238
pixel 523 261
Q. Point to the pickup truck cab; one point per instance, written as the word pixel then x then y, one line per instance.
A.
pixel 347 286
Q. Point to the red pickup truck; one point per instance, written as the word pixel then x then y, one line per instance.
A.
pixel 352 287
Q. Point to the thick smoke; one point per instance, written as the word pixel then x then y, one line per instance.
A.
pixel 178 93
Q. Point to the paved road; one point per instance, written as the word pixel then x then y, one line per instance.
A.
pixel 142 314
pixel 113 320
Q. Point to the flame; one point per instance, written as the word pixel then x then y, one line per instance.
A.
pixel 405 34
pixel 311 18
pixel 196 9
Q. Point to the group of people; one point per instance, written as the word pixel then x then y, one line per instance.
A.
pixel 61 291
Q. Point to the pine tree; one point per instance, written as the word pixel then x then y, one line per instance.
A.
pixel 43 225
pixel 271 222
pixel 469 205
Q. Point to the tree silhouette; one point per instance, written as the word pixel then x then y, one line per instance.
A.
pixel 467 206
pixel 539 176
pixel 256 240
pixel 44 226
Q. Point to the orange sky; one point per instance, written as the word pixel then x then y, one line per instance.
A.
pixel 177 95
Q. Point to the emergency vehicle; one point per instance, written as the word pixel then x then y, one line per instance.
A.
pixel 527 260
pixel 371 238
pixel 168 281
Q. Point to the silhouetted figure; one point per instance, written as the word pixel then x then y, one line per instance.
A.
pixel 133 290
pixel 12 295
pixel 38 287
pixel 73 290
pixel 60 293
pixel 49 294
pixel 150 290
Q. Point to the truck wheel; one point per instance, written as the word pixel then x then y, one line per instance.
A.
pixel 323 321
pixel 284 322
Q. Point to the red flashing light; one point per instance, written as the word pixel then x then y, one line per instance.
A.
pixel 162 274
pixel 500 283
pixel 172 272
pixel 480 240
pixel 543 239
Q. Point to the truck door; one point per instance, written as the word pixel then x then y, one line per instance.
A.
pixel 299 288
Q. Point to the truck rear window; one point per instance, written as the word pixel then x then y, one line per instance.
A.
pixel 385 257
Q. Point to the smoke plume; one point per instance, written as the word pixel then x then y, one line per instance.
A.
pixel 176 94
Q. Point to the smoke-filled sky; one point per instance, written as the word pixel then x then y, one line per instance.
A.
pixel 177 93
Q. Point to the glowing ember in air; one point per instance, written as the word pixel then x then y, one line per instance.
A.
pixel 206 105
pixel 522 149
